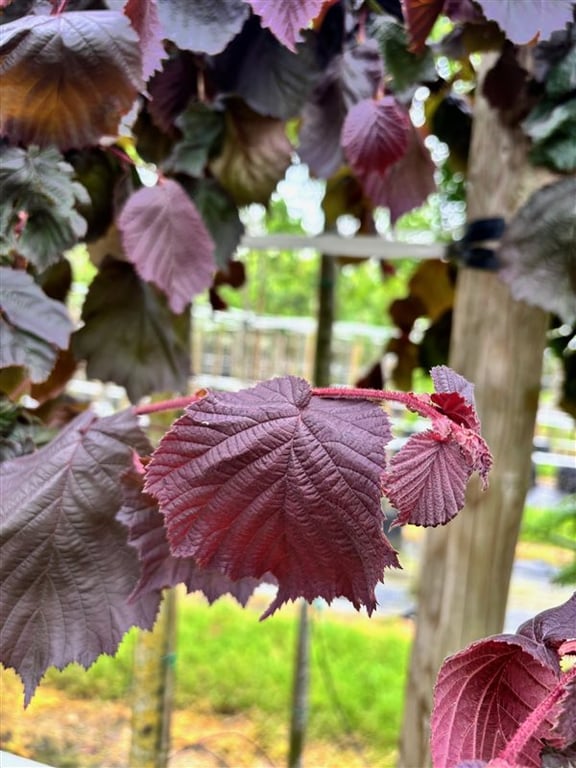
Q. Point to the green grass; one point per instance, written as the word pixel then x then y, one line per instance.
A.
pixel 228 662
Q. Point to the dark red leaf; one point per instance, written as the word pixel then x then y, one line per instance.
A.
pixel 420 17
pixel 271 479
pixel 66 567
pixel 375 135
pixel 165 238
pixel 483 695
pixel 144 17
pixel 285 18
pixel 171 89
pixel 456 408
pixel 349 77
pixel 446 380
pixel 160 569
pixel 406 184
pixel 554 627
pixel 83 69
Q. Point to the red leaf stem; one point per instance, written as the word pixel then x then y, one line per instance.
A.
pixel 418 403
pixel 529 728
pixel 174 404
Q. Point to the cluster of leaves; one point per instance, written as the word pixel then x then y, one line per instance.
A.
pixel 509 701
pixel 279 482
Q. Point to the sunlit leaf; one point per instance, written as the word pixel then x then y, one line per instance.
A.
pixel 67 569
pixel 278 481
pixel 67 79
pixel 165 238
pixel 33 326
pixel 130 336
pixel 204 26
pixel 285 18
pixel 254 157
pixel 523 20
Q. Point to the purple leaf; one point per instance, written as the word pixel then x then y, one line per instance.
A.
pixel 83 69
pixel 285 18
pixel 143 15
pixel 483 695
pixel 349 77
pixel 171 89
pixel 271 479
pixel 32 326
pixel 271 79
pixel 406 184
pixel 165 238
pixel 160 569
pixel 66 567
pixel 375 135
pixel 204 26
pixel 427 480
pixel 564 731
pixel 537 251
pixel 553 627
pixel 523 20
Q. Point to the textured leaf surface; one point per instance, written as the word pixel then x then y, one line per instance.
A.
pixel 204 26
pixel 487 692
pixel 407 183
pixel 130 336
pixel 160 569
pixel 165 238
pixel 538 253
pixel 427 479
pixel 285 18
pixel 404 67
pixel 375 135
pixel 143 15
pixel 67 79
pixel 349 77
pixel 523 20
pixel 32 325
pixel 271 79
pixel 66 567
pixel 255 155
pixel 39 220
pixel 273 480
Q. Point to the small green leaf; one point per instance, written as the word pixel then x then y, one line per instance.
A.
pixel 203 130
pixel 39 219
pixel 548 117
pixel 405 67
pixel 562 78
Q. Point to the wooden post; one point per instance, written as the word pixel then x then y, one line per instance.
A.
pixel 498 344
pixel 153 683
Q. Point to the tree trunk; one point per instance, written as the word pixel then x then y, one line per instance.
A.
pixel 498 344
